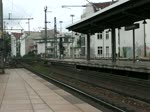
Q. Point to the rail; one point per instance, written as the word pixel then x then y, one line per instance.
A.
pixel 108 105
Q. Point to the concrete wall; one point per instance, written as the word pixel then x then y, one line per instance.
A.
pixel 23 46
pixel 13 46
pixel 126 40
pixel 95 43
pixel 40 48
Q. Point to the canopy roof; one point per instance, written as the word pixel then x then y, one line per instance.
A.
pixel 120 14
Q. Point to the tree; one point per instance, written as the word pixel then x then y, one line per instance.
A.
pixel 7 44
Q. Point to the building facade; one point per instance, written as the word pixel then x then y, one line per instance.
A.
pixel 101 42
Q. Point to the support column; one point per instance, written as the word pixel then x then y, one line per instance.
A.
pixel 119 42
pixel 88 47
pixel 144 23
pixel 113 42
pixel 55 36
pixel 133 45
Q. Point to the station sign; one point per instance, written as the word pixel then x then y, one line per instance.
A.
pixel 131 27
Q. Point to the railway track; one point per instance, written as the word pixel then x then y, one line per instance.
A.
pixel 78 91
pixel 120 82
pixel 120 107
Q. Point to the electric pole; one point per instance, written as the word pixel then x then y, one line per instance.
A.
pixel 29 25
pixel 72 38
pixel 45 10
pixel 15 19
pixel 1 39
pixel 55 37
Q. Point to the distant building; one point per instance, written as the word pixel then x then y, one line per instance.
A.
pixel 13 46
pixel 30 45
pixel 15 43
pixel 39 43
pixel 57 45
pixel 101 42
pixel 126 41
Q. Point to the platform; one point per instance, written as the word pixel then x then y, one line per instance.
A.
pixel 23 91
pixel 127 65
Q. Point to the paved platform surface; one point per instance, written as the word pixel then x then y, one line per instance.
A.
pixel 139 66
pixel 23 91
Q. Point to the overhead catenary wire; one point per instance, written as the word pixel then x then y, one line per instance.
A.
pixel 13 12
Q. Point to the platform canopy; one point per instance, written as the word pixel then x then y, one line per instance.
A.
pixel 120 14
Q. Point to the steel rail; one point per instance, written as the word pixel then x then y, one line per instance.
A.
pixel 110 106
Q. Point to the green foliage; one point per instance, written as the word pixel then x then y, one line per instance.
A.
pixel 7 44
pixel 38 65
pixel 31 54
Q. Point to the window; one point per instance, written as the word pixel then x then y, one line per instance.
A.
pixel 99 50
pixel 99 36
pixel 66 39
pixel 83 41
pixel 107 36
pixel 107 50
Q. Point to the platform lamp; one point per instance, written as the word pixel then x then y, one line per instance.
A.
pixel 144 23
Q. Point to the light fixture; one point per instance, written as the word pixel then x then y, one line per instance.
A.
pixel 144 22
pixel 76 33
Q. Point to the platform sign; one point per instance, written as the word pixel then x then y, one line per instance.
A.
pixel 131 27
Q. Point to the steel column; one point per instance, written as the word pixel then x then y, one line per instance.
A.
pixel 113 42
pixel 88 47
pixel 145 54
pixel 133 45
pixel 55 37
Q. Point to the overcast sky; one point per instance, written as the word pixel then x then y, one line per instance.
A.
pixel 35 9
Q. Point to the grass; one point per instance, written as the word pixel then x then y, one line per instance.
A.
pixel 38 66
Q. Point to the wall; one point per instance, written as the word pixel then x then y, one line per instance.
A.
pixel 13 46
pixel 40 48
pixel 23 46
pixel 126 40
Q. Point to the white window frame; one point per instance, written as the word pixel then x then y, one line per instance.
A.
pixel 100 50
pixel 99 36
pixel 107 51
pixel 107 36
